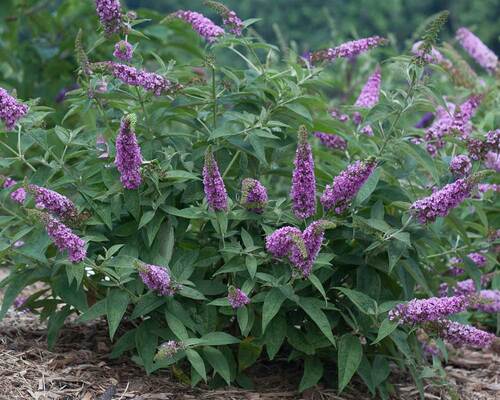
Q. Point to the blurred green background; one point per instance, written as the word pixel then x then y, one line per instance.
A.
pixel 37 36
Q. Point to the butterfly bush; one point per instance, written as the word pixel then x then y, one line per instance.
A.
pixel 128 158
pixel 464 335
pixel 237 298
pixel 11 111
pixel 149 81
pixel 123 50
pixel 488 301
pixel 201 24
pixel 368 98
pixel 433 57
pixel 53 202
pixel 215 190
pixel 157 279
pixel 280 242
pixel 169 349
pixel 432 309
pixel 65 239
pixel 477 49
pixel 346 185
pixel 19 195
pixel 110 14
pixel 331 140
pixel 253 195
pixel 349 49
pixel 460 165
pixel 303 191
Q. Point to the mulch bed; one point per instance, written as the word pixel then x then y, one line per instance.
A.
pixel 79 368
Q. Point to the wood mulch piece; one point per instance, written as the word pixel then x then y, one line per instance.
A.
pixel 79 368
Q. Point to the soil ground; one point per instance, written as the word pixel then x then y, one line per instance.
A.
pixel 79 368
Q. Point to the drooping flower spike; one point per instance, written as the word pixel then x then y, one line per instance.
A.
pixel 477 49
pixel 110 15
pixel 11 110
pixel 331 140
pixel 346 185
pixel 156 278
pixel 201 24
pixel 303 191
pixel 128 158
pixel 213 185
pixel 150 81
pixel 464 335
pixel 424 310
pixel 348 49
pixel 53 202
pixel 253 195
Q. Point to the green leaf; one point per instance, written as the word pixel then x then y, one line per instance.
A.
pixel 176 326
pixel 350 354
pixel 219 339
pixel 17 283
pixel 364 303
pixel 147 303
pixel 242 316
pixel 369 186
pixel 312 308
pixel 56 322
pixel 251 263
pixel 275 335
pixel 301 110
pixel 395 250
pixel 386 328
pixel 248 353
pixel 146 217
pixel 197 363
pixel 218 362
pixel 272 304
pixel 116 305
pixel 146 343
pixel 94 312
pixel 313 371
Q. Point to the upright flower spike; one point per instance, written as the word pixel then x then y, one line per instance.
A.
pixel 150 81
pixel 368 98
pixel 477 49
pixel 346 185
pixel 313 239
pixel 432 309
pixel 460 165
pixel 123 50
pixel 156 278
pixel 442 201
pixel 53 202
pixel 303 191
pixel 331 140
pixel 229 17
pixel 347 50
pixel 128 158
pixel 11 110
pixel 215 191
pixel 201 24
pixel 110 15
pixel 253 195
pixel 237 298
pixel 464 335
pixel 64 238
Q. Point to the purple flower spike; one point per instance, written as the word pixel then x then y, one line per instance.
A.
pixel 157 279
pixel 434 57
pixel 201 24
pixel 150 81
pixel 492 161
pixel 426 119
pixel 237 298
pixel 11 110
pixel 348 49
pixel 464 335
pixel 488 301
pixel 460 166
pixel 442 201
pixel 478 259
pixel 65 239
pixel 331 140
pixel 339 116
pixel 346 185
pixel 253 195
pixel 109 12
pixel 368 98
pixel 234 23
pixel 128 158
pixel 19 195
pixel 215 191
pixel 303 191
pixel 280 242
pixel 432 309
pixel 8 182
pixel 477 49
pixel 53 202
pixel 123 50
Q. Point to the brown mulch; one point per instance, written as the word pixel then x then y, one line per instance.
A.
pixel 79 368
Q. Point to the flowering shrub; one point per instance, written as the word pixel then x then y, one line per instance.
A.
pixel 179 200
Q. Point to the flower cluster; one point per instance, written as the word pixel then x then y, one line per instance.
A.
pixel 123 50
pixel 157 279
pixel 368 98
pixel 237 298
pixel 486 187
pixel 424 310
pixel 464 335
pixel 477 49
pixel 487 301
pixel 55 203
pixel 7 182
pixel 128 158
pixel 229 17
pixel 442 201
pixel 65 239
pixel 169 349
pixel 280 242
pixel 253 195
pixel 477 258
pixel 201 24
pixel 460 165
pixel 331 140
pixel 426 119
pixel 492 161
pixel 348 49
pixel 433 57
pixel 19 195
pixel 346 185
pixel 109 12
pixel 150 81
pixel 303 191
pixel 336 114
pixel 10 109
pixel 463 114
pixel 215 191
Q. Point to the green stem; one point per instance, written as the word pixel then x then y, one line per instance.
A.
pixel 231 164
pixel 214 98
